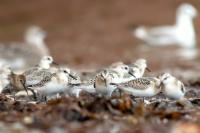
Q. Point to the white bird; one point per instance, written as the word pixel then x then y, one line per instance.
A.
pixel 121 72
pixel 35 36
pixel 36 74
pixel 117 71
pixel 172 87
pixel 23 55
pixel 74 82
pixel 102 83
pixel 142 87
pixel 53 84
pixel 181 33
pixel 138 68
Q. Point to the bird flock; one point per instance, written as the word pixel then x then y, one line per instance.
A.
pixel 19 76
pixel 47 80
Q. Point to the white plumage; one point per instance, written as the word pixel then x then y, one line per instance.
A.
pixel 181 33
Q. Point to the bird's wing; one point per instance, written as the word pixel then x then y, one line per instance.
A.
pixel 43 81
pixel 139 84
pixel 37 76
pixel 158 35
pixel 31 70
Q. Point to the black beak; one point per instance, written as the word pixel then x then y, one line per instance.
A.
pixel 55 63
pixel 72 77
pixel 131 73
pixel 113 84
pixel 149 70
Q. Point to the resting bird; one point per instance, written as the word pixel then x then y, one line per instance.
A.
pixel 181 33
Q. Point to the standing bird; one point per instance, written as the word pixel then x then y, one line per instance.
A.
pixel 181 33
pixel 102 83
pixel 172 87
pixel 18 83
pixel 141 87
pixel 20 56
pixel 116 72
pixel 121 72
pixel 35 74
pixel 53 83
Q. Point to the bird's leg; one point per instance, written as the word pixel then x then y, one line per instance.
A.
pixel 120 93
pixel 10 91
pixel 45 99
pixel 34 94
pixel 26 89
pixel 14 97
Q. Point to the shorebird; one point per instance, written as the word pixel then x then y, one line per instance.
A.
pixel 141 87
pixel 35 74
pixel 23 55
pixel 121 72
pixel 35 36
pixel 18 83
pixel 181 33
pixel 116 72
pixel 53 83
pixel 172 87
pixel 102 83
pixel 139 67
pixel 74 82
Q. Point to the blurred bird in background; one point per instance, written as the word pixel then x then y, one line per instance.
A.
pixel 22 55
pixel 182 33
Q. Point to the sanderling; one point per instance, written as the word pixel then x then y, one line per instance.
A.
pixel 179 34
pixel 35 36
pixel 102 83
pixel 53 83
pixel 41 69
pixel 121 72
pixel 172 87
pixel 117 71
pixel 23 55
pixel 139 67
pixel 141 87
pixel 74 82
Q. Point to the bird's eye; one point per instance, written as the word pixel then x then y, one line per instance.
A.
pixel 165 78
pixel 65 71
pixel 126 68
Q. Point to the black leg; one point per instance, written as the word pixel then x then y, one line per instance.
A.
pixel 45 99
pixel 14 97
pixel 34 94
pixel 25 88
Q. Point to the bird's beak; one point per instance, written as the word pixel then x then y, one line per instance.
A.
pixel 131 73
pixel 72 77
pixel 113 84
pixel 149 70
pixel 55 63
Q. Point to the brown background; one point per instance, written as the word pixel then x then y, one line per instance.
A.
pixel 89 32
